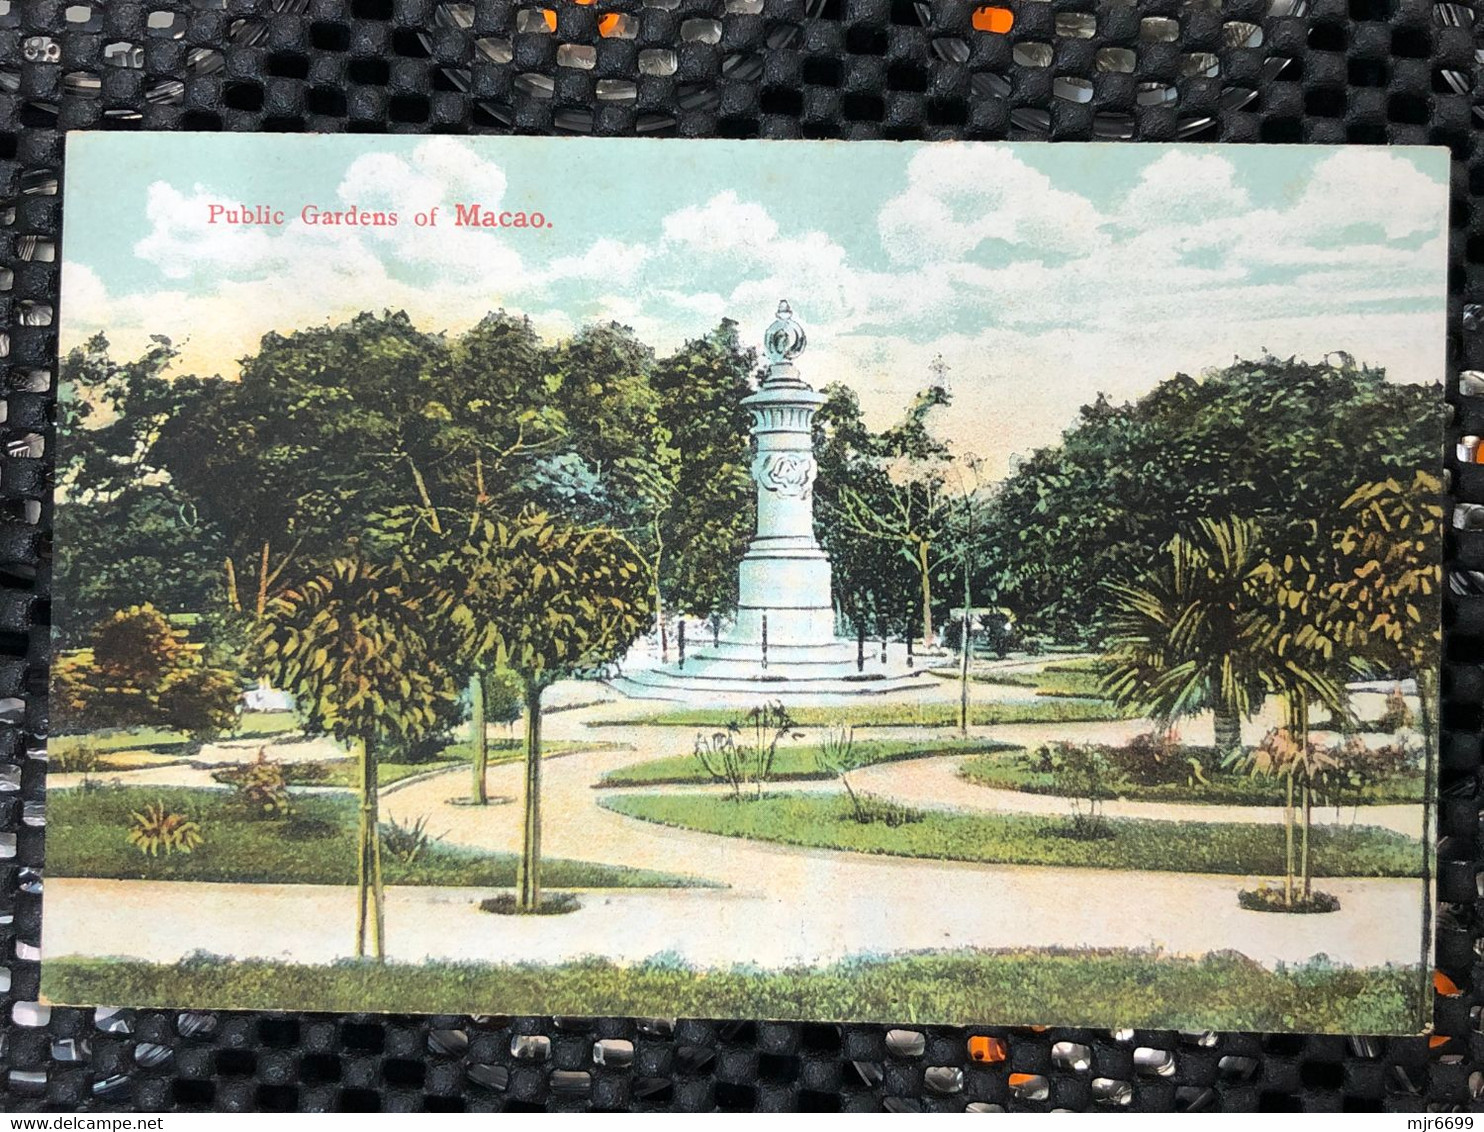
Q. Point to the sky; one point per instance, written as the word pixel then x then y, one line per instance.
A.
pixel 1042 274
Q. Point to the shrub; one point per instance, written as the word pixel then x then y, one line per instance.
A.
pixel 202 702
pixel 136 648
pixel 837 754
pixel 157 831
pixel 745 766
pixel 871 809
pixel 1396 715
pixel 1151 759
pixel 73 689
pixel 406 842
pixel 1083 773
pixel 81 758
pixel 261 788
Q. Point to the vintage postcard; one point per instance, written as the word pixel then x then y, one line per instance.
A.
pixel 936 583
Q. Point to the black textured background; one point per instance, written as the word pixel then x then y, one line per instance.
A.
pixel 1369 71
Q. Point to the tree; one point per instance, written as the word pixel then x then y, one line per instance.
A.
pixel 1183 637
pixel 325 428
pixel 1282 441
pixel 348 644
pixel 1387 594
pixel 563 600
pixel 711 510
pixel 901 497
pixel 870 575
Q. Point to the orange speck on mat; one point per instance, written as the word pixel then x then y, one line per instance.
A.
pixel 1444 985
pixel 984 1048
pixel 1438 1040
pixel 1479 453
pixel 607 25
pixel 997 21
pixel 1021 1078
pixel 549 15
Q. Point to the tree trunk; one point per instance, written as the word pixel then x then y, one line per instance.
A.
pixel 963 670
pixel 233 601
pixel 530 857
pixel 1228 727
pixel 1288 844
pixel 370 899
pixel 1426 693
pixel 927 597
pixel 427 500
pixel 1308 796
pixel 262 606
pixel 480 736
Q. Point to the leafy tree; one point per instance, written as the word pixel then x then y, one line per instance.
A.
pixel 348 644
pixel 562 600
pixel 711 512
pixel 133 651
pixel 1387 594
pixel 597 382
pixel 1279 440
pixel 901 498
pixel 870 575
pixel 325 427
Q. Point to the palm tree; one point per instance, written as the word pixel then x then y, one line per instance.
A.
pixel 348 645
pixel 1188 636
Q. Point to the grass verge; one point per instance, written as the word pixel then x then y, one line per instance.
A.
pixel 792 764
pixel 1109 988
pixel 828 822
pixel 914 714
pixel 1016 770
pixel 87 830
pixel 129 749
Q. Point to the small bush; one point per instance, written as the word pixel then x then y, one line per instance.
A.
pixel 406 842
pixel 1396 715
pixel 1084 774
pixel 202 702
pixel 260 786
pixel 156 831
pixel 83 758
pixel 311 772
pixel 1155 758
pixel 1267 898
pixel 552 904
pixel 870 809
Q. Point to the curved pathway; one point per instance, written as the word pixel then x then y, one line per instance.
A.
pixel 782 905
pixel 935 784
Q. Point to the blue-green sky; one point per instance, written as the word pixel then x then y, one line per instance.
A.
pixel 1043 274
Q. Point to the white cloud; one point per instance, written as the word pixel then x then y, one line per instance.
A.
pixel 1034 296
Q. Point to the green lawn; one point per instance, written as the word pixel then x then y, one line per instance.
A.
pixel 792 764
pixel 1111 988
pixel 826 822
pixel 876 713
pixel 1015 770
pixel 86 831
pixel 161 741
pixel 345 773
pixel 1080 679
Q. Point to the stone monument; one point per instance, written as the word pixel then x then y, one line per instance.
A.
pixel 783 638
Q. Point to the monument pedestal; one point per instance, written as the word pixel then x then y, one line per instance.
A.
pixel 783 639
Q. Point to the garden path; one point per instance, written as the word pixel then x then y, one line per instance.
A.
pixel 934 784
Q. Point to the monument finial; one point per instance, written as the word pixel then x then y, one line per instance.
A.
pixel 785 339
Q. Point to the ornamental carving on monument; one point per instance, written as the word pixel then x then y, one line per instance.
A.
pixel 789 474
